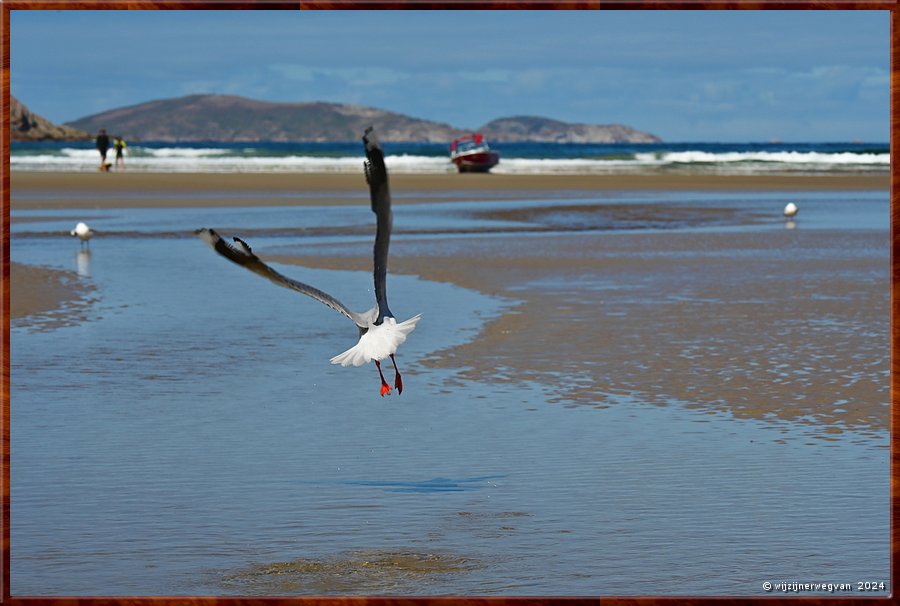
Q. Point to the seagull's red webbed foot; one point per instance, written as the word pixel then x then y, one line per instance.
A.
pixel 385 388
pixel 398 380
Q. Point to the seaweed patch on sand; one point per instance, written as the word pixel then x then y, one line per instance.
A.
pixel 356 573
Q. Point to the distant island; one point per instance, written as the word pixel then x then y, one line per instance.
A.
pixel 231 118
pixel 545 130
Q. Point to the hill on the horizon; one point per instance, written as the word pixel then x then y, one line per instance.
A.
pixel 24 125
pixel 232 118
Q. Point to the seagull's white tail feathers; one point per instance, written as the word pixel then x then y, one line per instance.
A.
pixel 378 342
pixel 355 356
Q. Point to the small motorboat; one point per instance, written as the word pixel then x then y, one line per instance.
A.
pixel 471 154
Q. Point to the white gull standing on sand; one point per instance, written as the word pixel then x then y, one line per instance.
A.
pixel 379 333
pixel 791 210
pixel 83 232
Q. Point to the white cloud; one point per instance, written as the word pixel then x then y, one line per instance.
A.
pixel 351 76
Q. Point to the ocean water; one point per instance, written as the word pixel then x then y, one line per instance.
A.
pixel 516 158
pixel 191 438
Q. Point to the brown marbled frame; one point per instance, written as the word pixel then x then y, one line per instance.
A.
pixel 6 5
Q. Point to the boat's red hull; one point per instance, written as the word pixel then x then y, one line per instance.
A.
pixel 478 162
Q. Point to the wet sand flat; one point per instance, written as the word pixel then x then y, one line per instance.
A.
pixel 596 374
pixel 749 323
pixel 46 297
pixel 33 190
pixel 716 322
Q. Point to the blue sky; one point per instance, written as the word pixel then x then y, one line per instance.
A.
pixel 681 75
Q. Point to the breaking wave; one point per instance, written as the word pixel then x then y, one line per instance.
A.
pixel 433 159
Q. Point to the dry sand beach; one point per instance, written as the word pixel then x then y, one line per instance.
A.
pixel 63 190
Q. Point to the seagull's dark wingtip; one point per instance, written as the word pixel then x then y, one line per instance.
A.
pixel 244 245
pixel 208 235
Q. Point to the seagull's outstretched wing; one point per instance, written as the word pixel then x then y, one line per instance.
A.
pixel 376 176
pixel 243 256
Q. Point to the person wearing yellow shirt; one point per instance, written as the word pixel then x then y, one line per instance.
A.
pixel 120 145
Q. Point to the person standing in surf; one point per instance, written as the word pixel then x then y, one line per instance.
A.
pixel 103 147
pixel 120 145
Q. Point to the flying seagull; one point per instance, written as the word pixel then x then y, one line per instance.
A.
pixel 83 232
pixel 379 332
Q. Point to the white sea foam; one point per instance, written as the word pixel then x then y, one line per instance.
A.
pixel 788 157
pixel 174 152
pixel 162 152
pixel 730 162
pixel 216 160
pixel 543 166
